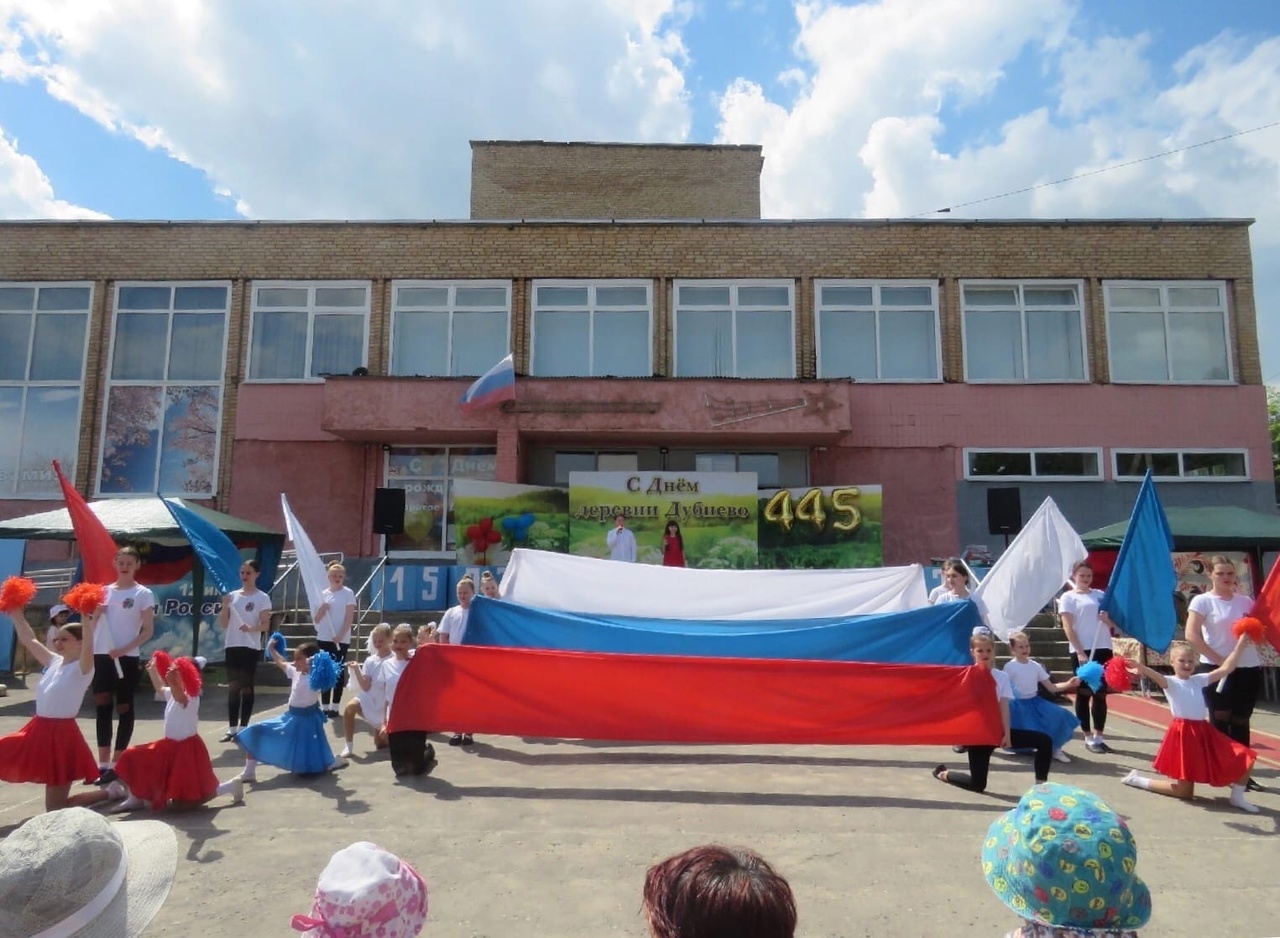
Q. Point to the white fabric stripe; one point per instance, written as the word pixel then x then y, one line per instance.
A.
pixel 95 907
pixel 310 566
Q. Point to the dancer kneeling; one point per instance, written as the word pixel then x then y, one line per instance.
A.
pixel 296 740
pixel 1193 750
pixel 370 700
pixel 1028 710
pixel 174 771
pixel 983 649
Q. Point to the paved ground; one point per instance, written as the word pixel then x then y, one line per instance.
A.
pixel 550 838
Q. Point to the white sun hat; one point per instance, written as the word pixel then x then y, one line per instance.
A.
pixel 74 874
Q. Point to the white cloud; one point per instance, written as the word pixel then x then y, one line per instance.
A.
pixel 25 191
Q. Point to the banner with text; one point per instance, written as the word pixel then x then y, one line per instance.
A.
pixel 714 513
pixel 821 527
pixel 491 519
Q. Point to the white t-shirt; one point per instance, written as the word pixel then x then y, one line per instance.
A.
pixel 180 722
pixel 373 701
pixel 454 624
pixel 244 609
pixel 338 601
pixel 300 692
pixel 121 618
pixel 1219 615
pixel 940 595
pixel 1186 697
pixel 1025 678
pixel 60 690
pixel 1004 688
pixel 391 674
pixel 1091 631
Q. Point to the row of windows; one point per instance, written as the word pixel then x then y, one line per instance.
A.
pixel 1128 465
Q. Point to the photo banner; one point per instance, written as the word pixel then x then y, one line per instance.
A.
pixel 821 527
pixel 491 519
pixel 716 513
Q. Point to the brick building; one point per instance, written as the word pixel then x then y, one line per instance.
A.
pixel 657 322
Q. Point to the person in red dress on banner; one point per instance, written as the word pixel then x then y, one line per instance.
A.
pixel 672 546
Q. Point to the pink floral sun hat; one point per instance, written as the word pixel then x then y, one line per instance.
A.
pixel 366 892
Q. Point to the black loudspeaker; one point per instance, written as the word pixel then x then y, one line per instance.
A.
pixel 1004 511
pixel 388 511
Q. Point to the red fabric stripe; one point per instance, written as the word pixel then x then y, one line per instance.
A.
pixel 97 549
pixel 654 698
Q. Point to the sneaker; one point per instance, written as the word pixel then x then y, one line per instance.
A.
pixel 237 790
pixel 129 804
pixel 249 777
pixel 959 748
pixel 334 714
pixel 455 739
pixel 467 740
pixel 1251 785
pixel 1060 756
pixel 336 764
pixel 346 753
pixel 1131 779
pixel 105 777
pixel 228 736
pixel 1096 745
pixel 116 790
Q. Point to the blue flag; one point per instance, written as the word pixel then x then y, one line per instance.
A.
pixel 1139 596
pixel 215 550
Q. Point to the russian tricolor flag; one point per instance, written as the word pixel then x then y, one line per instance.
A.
pixel 496 385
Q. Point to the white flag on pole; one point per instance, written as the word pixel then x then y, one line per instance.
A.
pixel 310 567
pixel 1030 571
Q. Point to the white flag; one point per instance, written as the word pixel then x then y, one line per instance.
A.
pixel 1031 571
pixel 315 578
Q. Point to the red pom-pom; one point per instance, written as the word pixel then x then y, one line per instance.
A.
pixel 1116 674
pixel 191 680
pixel 16 593
pixel 1251 626
pixel 162 661
pixel 84 598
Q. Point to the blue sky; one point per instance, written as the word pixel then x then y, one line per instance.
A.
pixel 328 108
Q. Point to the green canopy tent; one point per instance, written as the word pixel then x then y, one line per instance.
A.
pixel 1217 528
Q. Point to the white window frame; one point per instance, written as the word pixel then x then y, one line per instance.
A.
pixel 27 383
pixel 164 383
pixel 735 310
pixel 1180 452
pixel 1032 451
pixel 592 308
pixel 1165 309
pixel 878 310
pixel 451 307
pixel 310 286
pixel 1019 285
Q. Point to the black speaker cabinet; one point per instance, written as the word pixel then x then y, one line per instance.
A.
pixel 1004 511
pixel 388 511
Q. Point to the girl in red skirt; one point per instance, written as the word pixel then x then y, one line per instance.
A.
pixel 1193 750
pixel 50 750
pixel 173 771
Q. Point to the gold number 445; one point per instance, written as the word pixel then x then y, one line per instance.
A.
pixel 778 510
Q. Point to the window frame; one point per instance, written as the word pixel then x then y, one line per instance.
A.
pixel 27 383
pixel 592 284
pixel 447 551
pixel 1033 451
pixel 877 309
pixel 311 286
pixel 1165 309
pixel 451 308
pixel 163 383
pixel 1180 452
pixel 734 286
pixel 1020 284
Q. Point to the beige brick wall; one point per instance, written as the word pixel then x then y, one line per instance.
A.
pixel 533 179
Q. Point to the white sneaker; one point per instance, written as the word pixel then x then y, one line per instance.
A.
pixel 336 764
pixel 1060 756
pixel 116 790
pixel 346 753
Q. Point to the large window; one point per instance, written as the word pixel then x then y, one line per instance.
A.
pixel 735 329
pixel 444 328
pixel 1070 465
pixel 1028 331
pixel 592 329
pixel 43 334
pixel 164 389
pixel 878 331
pixel 1214 465
pixel 303 331
pixel 427 474
pixel 1168 332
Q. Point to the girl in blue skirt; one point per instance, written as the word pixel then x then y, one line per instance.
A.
pixel 1028 710
pixel 296 740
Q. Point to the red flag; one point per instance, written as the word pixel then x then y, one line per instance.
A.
pixel 97 549
pixel 1266 607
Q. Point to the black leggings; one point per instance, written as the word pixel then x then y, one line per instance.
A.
pixel 339 654
pixel 1231 711
pixel 113 698
pixel 980 760
pixel 242 668
pixel 1090 702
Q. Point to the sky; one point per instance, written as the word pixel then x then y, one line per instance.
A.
pixel 303 109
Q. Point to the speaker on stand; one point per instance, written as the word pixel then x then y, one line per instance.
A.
pixel 388 511
pixel 1004 512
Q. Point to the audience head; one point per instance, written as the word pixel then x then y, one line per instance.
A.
pixel 366 892
pixel 718 892
pixel 1064 859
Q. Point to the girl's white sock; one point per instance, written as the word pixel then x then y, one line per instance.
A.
pixel 1237 800
pixel 1134 780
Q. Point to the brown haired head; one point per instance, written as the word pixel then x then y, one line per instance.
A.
pixel 1081 565
pixel 718 892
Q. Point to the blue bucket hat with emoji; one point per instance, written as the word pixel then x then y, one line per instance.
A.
pixel 1064 858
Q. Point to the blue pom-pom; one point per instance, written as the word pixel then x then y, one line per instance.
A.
pixel 324 672
pixel 1091 673
pixel 279 644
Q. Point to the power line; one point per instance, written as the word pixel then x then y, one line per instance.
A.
pixel 1095 172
